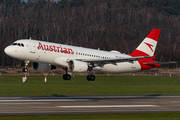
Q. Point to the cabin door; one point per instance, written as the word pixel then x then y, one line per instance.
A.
pixel 32 47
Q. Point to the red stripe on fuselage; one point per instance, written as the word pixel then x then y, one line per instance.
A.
pixel 145 60
pixel 145 66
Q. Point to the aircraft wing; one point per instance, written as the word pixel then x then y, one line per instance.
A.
pixel 113 60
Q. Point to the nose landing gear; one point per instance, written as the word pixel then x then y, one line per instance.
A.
pixel 25 70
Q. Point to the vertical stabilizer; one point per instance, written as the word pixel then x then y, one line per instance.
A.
pixel 148 45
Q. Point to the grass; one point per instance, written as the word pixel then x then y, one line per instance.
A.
pixel 103 85
pixel 122 116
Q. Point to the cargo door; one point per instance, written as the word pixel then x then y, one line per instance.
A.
pixel 133 64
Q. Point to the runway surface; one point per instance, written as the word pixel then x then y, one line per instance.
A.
pixel 58 104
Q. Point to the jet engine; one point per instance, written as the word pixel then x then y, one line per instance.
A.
pixel 77 66
pixel 41 67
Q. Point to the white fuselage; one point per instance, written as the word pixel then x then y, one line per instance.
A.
pixel 59 54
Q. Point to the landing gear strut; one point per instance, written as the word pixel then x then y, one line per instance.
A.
pixel 25 70
pixel 66 76
pixel 90 77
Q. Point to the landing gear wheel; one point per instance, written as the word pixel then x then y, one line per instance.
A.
pixel 64 76
pixel 90 77
pixel 67 77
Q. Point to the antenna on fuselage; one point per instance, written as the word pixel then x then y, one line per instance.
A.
pixel 98 48
pixel 30 38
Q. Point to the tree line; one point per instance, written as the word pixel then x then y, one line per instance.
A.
pixel 106 24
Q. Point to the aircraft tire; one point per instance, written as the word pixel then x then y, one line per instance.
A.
pixel 90 77
pixel 64 76
pixel 67 77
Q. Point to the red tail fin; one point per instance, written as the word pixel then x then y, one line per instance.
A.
pixel 148 45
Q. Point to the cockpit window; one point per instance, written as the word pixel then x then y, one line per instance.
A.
pixel 18 44
pixel 14 44
pixel 22 45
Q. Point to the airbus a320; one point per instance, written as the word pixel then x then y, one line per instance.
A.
pixel 47 55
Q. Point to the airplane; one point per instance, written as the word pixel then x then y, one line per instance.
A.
pixel 46 56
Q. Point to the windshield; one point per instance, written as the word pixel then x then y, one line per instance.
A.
pixel 18 44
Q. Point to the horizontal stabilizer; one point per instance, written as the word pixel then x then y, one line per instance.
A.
pixel 172 62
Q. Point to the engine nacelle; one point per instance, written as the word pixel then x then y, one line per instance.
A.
pixel 42 67
pixel 77 66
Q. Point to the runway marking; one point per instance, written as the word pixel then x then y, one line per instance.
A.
pixel 21 103
pixel 47 100
pixel 106 106
pixel 175 101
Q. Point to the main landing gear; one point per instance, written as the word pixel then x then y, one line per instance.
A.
pixel 66 76
pixel 90 77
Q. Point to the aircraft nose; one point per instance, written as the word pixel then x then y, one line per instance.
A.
pixel 8 50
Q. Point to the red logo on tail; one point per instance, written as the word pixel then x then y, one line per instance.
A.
pixel 149 45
